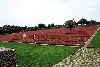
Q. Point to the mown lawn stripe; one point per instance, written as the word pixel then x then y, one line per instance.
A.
pixel 95 43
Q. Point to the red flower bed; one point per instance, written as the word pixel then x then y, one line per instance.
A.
pixel 59 36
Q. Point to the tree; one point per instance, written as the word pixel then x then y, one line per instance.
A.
pixel 98 23
pixel 41 26
pixel 69 24
pixel 83 21
pixel 51 25
pixel 1 30
pixel 58 26
pixel 93 22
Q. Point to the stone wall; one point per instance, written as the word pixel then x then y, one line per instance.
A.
pixel 7 57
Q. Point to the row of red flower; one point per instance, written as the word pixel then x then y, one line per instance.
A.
pixel 54 36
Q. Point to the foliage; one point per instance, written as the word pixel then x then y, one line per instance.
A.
pixel 29 55
pixel 69 24
pixel 41 26
pixel 83 21
pixel 51 25
pixel 7 29
pixel 93 22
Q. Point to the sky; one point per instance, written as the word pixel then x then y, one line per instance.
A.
pixel 32 12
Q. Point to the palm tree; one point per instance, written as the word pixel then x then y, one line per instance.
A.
pixel 69 24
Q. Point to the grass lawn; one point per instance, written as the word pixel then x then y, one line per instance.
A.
pixel 32 55
pixel 95 43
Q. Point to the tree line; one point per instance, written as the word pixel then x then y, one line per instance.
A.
pixel 8 29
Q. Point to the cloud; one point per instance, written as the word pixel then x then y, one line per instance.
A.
pixel 33 12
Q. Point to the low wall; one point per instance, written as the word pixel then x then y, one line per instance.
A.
pixel 7 57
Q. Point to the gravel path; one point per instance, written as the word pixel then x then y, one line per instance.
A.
pixel 85 57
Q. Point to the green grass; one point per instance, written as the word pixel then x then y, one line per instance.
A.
pixel 32 55
pixel 95 43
